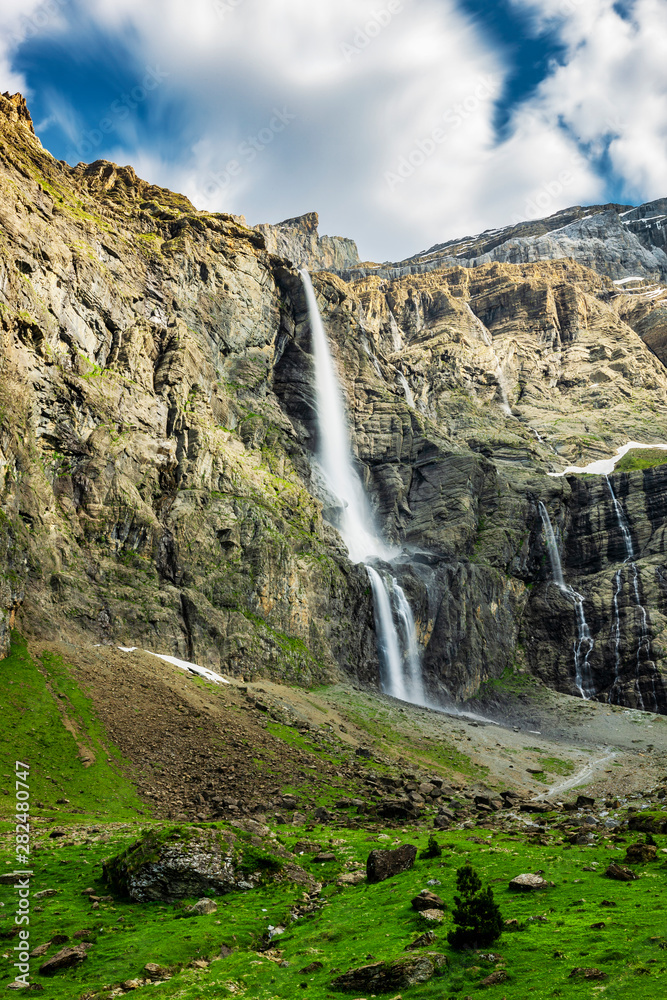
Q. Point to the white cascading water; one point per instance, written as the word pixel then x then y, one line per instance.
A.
pixel 644 642
pixel 584 644
pixel 399 652
pixel 409 397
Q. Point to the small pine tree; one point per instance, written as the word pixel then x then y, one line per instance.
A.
pixel 434 850
pixel 477 918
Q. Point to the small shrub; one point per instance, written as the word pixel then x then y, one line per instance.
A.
pixel 477 918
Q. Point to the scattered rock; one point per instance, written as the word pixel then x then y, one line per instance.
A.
pixel 423 941
pixel 324 858
pixel 528 883
pixel 203 907
pixel 382 865
pixel 43 894
pixel 155 971
pixel 382 977
pixel 351 878
pixel 427 901
pixel 620 874
pixel 313 967
pixel 41 950
pixel 588 974
pixel 9 878
pixel 433 916
pixel 496 978
pixel 64 959
pixel 639 854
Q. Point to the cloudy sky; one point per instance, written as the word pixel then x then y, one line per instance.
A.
pixel 402 122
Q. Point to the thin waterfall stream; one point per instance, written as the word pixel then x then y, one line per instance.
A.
pixel 644 640
pixel 395 625
pixel 585 644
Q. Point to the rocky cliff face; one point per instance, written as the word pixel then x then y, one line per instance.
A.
pixel 157 432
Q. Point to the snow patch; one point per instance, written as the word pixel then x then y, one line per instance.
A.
pixel 605 466
pixel 194 668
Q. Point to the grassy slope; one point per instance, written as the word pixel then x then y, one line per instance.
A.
pixel 354 923
pixel 641 458
pixel 363 921
pixel 39 701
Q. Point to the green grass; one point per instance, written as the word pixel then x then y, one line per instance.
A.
pixel 38 699
pixel 354 923
pixel 641 458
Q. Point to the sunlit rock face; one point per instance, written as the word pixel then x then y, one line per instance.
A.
pixel 158 431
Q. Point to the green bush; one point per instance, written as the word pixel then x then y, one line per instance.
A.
pixel 477 918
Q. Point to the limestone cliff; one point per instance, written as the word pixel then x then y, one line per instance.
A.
pixel 157 433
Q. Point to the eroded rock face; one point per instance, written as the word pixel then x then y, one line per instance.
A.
pixel 157 434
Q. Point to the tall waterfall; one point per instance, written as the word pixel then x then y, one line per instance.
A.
pixel 644 641
pixel 394 622
pixel 584 645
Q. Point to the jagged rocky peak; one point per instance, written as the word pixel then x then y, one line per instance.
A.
pixel 298 241
pixel 121 185
pixel 14 108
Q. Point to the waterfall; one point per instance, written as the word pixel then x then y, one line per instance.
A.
pixel 394 622
pixel 584 645
pixel 615 689
pixel 409 631
pixel 644 641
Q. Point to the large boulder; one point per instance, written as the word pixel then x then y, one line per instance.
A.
pixel 382 865
pixel 200 863
pixel 383 977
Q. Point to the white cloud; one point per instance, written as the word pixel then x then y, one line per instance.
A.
pixel 611 91
pixel 362 86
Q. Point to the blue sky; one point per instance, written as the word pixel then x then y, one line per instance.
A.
pixel 402 122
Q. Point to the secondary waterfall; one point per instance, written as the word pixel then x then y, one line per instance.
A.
pixel 644 641
pixel 397 642
pixel 584 645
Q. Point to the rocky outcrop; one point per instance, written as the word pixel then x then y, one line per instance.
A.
pixel 298 241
